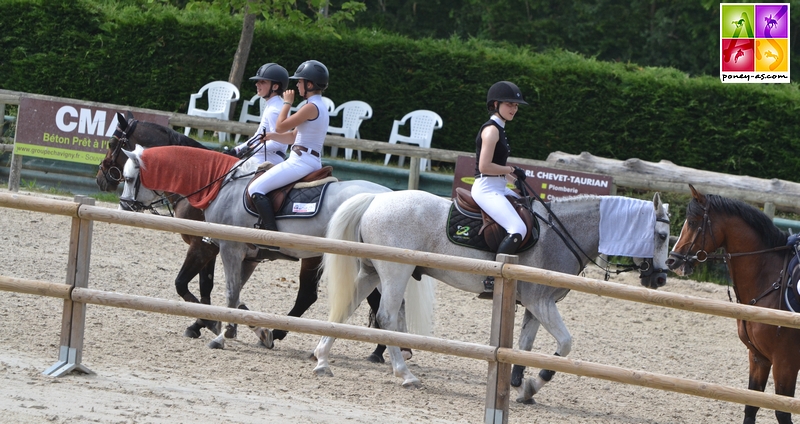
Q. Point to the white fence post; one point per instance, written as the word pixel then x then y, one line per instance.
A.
pixel 73 319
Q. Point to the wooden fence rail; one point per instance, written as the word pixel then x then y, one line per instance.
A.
pixel 83 213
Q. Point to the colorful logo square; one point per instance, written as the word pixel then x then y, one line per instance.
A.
pixel 754 43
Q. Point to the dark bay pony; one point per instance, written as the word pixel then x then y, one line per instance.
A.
pixel 201 256
pixel 757 254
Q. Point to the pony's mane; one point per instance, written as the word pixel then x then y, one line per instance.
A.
pixel 172 137
pixel 771 235
pixel 570 199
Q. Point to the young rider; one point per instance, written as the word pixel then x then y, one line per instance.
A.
pixel 492 152
pixel 305 130
pixel 271 82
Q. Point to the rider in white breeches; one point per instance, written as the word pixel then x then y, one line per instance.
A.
pixel 492 152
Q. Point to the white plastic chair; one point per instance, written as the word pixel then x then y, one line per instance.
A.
pixel 422 124
pixel 221 96
pixel 328 102
pixel 246 116
pixel 353 113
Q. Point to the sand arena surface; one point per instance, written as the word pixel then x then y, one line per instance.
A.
pixel 148 372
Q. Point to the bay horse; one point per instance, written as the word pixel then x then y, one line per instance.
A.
pixel 154 166
pixel 757 255
pixel 201 256
pixel 417 220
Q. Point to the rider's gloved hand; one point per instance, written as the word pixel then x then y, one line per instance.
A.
pixel 230 152
pixel 519 173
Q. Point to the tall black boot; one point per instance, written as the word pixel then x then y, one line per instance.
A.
pixel 508 246
pixel 266 217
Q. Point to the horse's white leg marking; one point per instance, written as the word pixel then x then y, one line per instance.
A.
pixel 547 313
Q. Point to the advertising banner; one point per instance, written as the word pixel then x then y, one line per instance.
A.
pixel 68 132
pixel 548 183
pixel 754 42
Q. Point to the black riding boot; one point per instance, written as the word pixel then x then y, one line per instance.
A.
pixel 266 217
pixel 508 246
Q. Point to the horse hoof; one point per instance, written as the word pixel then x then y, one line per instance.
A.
pixel 265 339
pixel 406 352
pixel 530 401
pixel 213 344
pixel 412 383
pixel 323 372
pixel 279 334
pixel 376 359
pixel 213 326
pixel 193 331
pixel 230 331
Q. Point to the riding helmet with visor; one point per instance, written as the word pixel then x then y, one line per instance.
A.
pixel 504 91
pixel 314 72
pixel 275 73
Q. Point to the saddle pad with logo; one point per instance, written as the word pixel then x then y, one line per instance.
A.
pixel 300 202
pixel 463 227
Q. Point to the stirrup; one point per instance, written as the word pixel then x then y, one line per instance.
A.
pixel 488 285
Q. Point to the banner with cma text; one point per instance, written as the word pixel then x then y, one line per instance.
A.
pixel 68 132
pixel 754 42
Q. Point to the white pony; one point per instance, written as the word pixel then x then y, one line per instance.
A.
pixel 417 220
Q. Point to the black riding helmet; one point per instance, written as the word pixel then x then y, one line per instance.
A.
pixel 313 71
pixel 503 91
pixel 275 73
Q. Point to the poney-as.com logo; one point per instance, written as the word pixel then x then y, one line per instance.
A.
pixel 754 41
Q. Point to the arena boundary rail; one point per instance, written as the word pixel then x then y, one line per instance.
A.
pixel 499 354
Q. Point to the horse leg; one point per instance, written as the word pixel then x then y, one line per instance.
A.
pixel 306 293
pixel 265 336
pixel 530 327
pixel 784 375
pixel 365 283
pixel 547 314
pixel 759 373
pixel 374 300
pixel 233 259
pixel 206 285
pixel 197 261
pixel 389 318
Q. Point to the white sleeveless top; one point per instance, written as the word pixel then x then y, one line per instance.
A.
pixel 311 134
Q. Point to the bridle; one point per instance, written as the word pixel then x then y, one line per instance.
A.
pixel 138 206
pixel 109 166
pixel 701 255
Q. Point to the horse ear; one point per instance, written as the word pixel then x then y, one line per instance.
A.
pixel 657 201
pixel 697 195
pixel 121 121
pixel 130 116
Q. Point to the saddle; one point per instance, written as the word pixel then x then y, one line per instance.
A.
pixel 279 195
pixel 493 234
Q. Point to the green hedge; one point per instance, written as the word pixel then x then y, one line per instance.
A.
pixel 156 57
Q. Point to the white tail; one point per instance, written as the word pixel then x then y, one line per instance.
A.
pixel 340 271
pixel 420 297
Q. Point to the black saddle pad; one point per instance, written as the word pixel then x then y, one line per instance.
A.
pixel 300 202
pixel 463 227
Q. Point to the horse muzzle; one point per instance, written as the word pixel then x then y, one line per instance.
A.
pixel 652 277
pixel 131 205
pixel 680 264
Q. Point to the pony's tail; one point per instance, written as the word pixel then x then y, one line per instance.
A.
pixel 420 301
pixel 340 271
